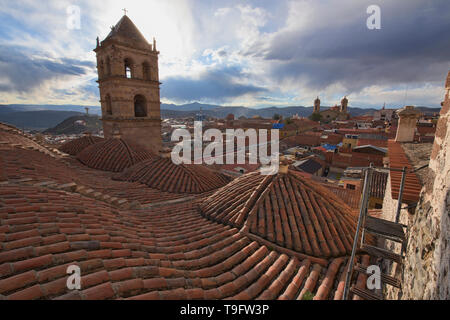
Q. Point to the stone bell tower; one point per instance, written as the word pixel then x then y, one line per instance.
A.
pixel 316 105
pixel 344 105
pixel 129 86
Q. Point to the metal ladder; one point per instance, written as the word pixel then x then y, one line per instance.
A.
pixel 393 231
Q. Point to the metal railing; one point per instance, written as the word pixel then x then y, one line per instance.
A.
pixel 368 171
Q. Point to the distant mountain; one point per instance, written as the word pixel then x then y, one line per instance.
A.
pixel 76 125
pixel 51 107
pixel 189 107
pixel 48 116
pixel 222 112
pixel 35 120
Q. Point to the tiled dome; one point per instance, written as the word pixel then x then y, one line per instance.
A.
pixel 286 210
pixel 164 175
pixel 75 146
pixel 112 155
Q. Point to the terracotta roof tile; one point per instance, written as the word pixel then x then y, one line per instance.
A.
pixel 286 210
pixel 113 155
pixel 172 251
pixel 74 147
pixel 398 159
pixel 164 175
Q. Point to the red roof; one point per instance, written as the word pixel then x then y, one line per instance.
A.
pixel 361 131
pixel 332 138
pixel 305 139
pixel 398 159
pixel 164 175
pixel 164 250
pixel 285 209
pixel 74 147
pixel 374 142
pixel 113 155
pixel 425 130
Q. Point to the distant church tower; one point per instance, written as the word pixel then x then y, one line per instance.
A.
pixel 344 104
pixel 129 86
pixel 317 105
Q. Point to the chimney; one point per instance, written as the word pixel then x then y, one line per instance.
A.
pixel 407 123
pixel 284 164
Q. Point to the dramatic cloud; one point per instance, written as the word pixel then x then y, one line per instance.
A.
pixel 211 85
pixel 252 53
pixel 23 71
pixel 321 47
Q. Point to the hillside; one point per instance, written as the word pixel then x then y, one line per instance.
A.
pixel 35 120
pixel 72 125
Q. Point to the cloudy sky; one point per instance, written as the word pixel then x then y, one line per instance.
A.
pixel 235 52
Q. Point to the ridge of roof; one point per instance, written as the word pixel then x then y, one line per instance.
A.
pixel 285 209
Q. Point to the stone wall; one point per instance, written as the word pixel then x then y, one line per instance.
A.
pixel 428 253
pixel 388 213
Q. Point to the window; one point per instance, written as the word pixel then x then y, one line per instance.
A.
pixel 378 206
pixel 146 71
pixel 128 68
pixel 101 69
pixel 108 105
pixel 108 66
pixel 140 106
pixel 351 186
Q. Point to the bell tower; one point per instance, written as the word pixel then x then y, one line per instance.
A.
pixel 129 86
pixel 316 105
pixel 344 105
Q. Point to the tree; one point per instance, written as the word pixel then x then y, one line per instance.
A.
pixel 288 120
pixel 276 116
pixel 315 116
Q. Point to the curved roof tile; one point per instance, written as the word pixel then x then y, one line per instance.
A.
pixel 112 155
pixel 287 210
pixel 124 254
pixel 164 175
pixel 75 146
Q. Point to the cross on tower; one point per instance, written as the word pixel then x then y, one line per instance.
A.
pixel 125 11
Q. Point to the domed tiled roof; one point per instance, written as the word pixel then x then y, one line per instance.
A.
pixel 164 175
pixel 112 155
pixel 75 146
pixel 286 210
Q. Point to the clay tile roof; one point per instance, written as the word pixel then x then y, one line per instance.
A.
pixel 378 184
pixel 286 209
pixel 374 142
pixel 398 159
pixel 126 30
pixel 350 197
pixel 113 155
pixel 305 139
pixel 75 146
pixel 164 175
pixel 161 253
pixel 166 252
